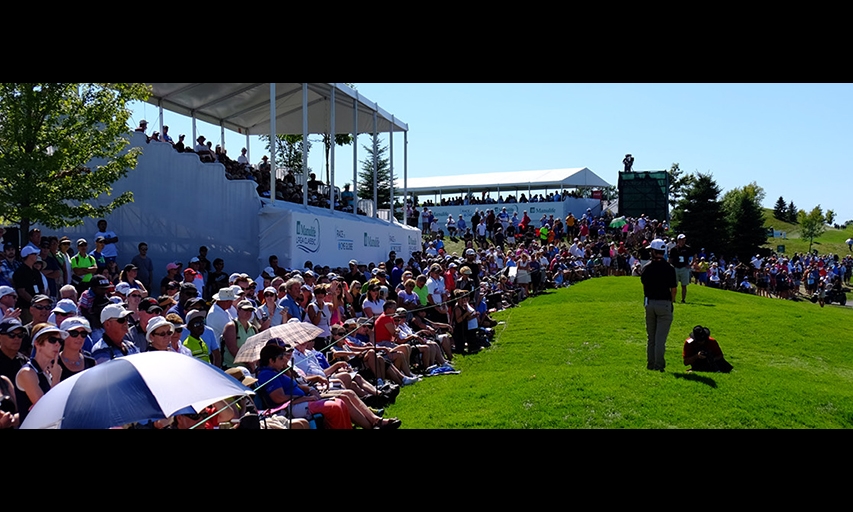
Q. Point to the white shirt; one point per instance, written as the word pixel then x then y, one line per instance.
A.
pixel 217 318
pixel 436 289
pixel 110 250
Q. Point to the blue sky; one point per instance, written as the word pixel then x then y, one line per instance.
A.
pixel 792 139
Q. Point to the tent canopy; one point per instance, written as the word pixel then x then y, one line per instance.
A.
pixel 461 184
pixel 245 108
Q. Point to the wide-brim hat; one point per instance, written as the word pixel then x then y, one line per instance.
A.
pixel 225 294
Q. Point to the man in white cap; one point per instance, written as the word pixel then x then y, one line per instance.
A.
pixel 679 257
pixel 112 344
pixel 28 281
pixel 218 316
pixel 8 298
pixel 659 288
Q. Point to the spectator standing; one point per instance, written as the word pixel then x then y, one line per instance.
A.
pixel 679 257
pixel 144 266
pixel 110 251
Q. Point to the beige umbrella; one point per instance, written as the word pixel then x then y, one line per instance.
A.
pixel 292 333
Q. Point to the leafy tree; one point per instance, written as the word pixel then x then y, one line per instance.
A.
pixel 678 183
pixel 700 216
pixel 753 191
pixel 341 139
pixel 383 175
pixel 812 224
pixel 745 218
pixel 780 210
pixel 830 216
pixel 793 213
pixel 288 152
pixel 49 133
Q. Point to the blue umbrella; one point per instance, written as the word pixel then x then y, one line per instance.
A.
pixel 139 387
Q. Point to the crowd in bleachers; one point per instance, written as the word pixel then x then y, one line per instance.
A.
pixel 286 188
pixel 485 198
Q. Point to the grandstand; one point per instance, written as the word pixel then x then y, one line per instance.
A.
pixel 491 186
pixel 181 203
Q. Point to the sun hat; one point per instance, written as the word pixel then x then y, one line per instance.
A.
pixel 155 323
pixel 75 322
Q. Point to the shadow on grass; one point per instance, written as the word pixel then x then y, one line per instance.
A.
pixel 697 378
pixel 706 304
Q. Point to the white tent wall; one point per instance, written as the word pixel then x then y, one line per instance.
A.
pixel 179 205
pixel 299 234
pixel 534 210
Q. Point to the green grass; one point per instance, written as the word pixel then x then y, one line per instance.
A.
pixel 831 242
pixel 575 358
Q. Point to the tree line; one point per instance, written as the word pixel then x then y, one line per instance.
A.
pixel 733 223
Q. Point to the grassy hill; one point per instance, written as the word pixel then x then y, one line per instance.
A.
pixel 575 358
pixel 833 241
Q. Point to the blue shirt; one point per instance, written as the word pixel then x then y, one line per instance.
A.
pixel 293 308
pixel 282 382
pixel 104 351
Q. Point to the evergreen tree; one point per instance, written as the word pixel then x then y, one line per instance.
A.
pixel 793 214
pixel 780 211
pixel 746 225
pixel 383 175
pixel 678 183
pixel 699 215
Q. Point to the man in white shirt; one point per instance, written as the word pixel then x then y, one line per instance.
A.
pixel 110 252
pixel 437 294
pixel 243 159
pixel 218 316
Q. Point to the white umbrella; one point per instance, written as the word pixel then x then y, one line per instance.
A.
pixel 139 387
pixel 292 333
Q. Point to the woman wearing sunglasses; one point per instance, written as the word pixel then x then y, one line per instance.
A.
pixel 42 372
pixel 72 359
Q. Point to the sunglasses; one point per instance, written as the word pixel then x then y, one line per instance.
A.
pixel 77 334
pixel 179 330
pixel 13 335
pixel 161 334
pixel 41 308
pixel 53 340
pixel 121 320
pixel 269 295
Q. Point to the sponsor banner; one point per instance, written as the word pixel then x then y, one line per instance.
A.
pixel 334 240
pixel 307 235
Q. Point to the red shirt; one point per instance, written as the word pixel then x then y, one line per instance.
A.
pixel 380 331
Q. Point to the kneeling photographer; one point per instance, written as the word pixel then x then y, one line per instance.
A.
pixel 703 354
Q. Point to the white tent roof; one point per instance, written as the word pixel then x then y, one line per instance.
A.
pixel 554 178
pixel 245 108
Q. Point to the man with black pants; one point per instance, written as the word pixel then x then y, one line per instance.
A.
pixel 659 287
pixel 679 256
